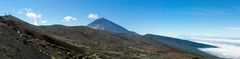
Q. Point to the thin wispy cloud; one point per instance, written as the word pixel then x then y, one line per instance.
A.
pixel 205 11
pixel 35 17
pixel 69 19
pixel 92 16
pixel 45 21
pixel 233 28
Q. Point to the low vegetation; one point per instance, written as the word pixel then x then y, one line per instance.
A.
pixel 79 42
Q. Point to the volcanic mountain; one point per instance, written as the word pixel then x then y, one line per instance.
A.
pixel 21 40
pixel 105 24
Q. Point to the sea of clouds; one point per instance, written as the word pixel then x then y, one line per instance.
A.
pixel 226 48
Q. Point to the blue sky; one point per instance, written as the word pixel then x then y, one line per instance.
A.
pixel 220 18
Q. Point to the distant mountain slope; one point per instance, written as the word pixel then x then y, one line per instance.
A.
pixel 105 24
pixel 114 45
pixel 183 45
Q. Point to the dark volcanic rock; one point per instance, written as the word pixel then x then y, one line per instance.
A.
pixel 12 46
pixel 45 44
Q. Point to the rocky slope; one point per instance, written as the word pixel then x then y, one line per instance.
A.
pixel 15 46
pixel 20 40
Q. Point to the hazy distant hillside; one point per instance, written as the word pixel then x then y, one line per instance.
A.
pixel 183 45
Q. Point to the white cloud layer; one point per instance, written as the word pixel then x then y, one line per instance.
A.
pixel 35 17
pixel 92 16
pixel 227 48
pixel 69 19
